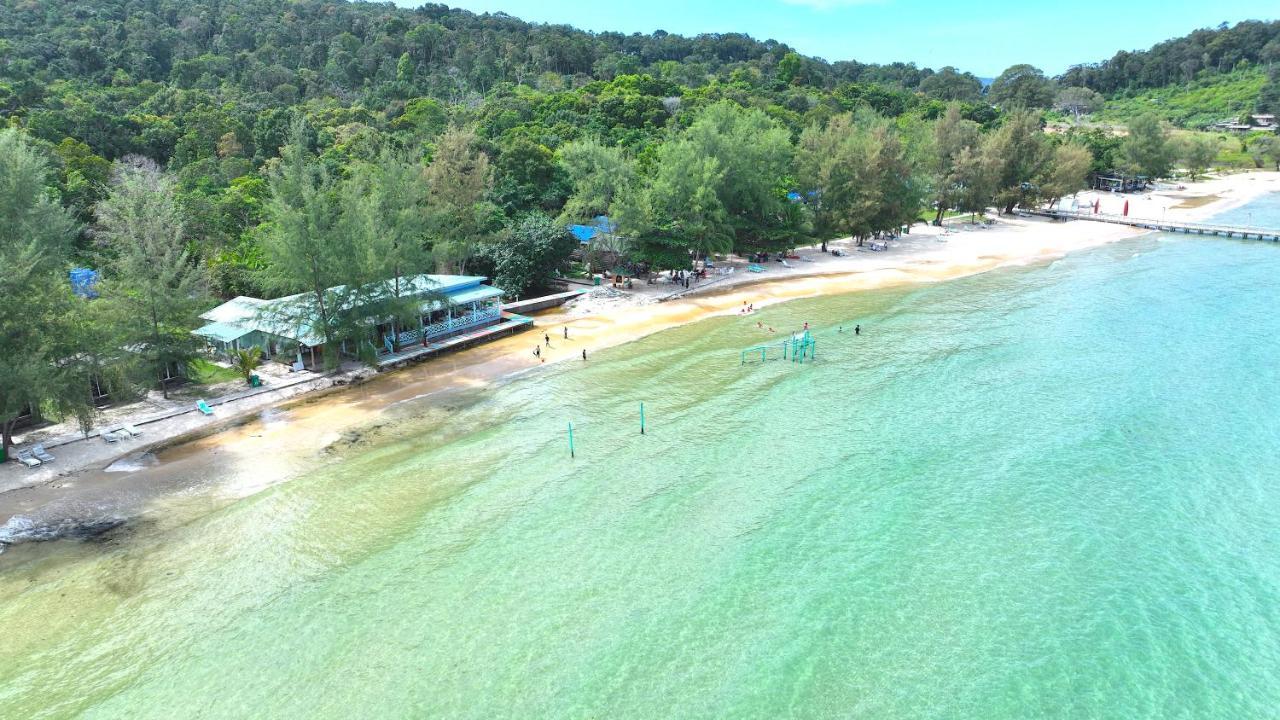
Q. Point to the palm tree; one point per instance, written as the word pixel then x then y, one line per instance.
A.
pixel 246 361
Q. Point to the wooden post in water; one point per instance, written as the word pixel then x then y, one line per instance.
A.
pixel 571 455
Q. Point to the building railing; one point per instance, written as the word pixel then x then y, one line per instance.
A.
pixel 446 327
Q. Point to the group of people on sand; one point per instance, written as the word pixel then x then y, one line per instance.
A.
pixel 546 338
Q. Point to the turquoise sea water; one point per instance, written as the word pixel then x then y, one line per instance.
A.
pixel 1044 492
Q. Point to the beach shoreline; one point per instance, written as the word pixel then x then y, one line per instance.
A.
pixel 255 450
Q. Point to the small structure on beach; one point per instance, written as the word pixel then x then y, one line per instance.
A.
pixel 1119 182
pixel 450 304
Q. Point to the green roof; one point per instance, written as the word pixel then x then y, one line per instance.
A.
pixel 287 317
pixel 470 295
pixel 222 332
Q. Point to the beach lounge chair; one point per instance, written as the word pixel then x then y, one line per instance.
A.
pixel 755 268
pixel 129 430
pixel 786 264
pixel 26 458
pixel 41 453
pixel 110 436
pixel 203 407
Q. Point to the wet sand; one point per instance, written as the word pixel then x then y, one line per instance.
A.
pixel 186 478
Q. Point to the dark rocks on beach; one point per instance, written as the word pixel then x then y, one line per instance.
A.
pixel 21 529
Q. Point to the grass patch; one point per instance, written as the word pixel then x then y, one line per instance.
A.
pixel 204 372
pixel 1198 103
pixel 928 214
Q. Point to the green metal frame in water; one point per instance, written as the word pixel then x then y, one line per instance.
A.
pixel 798 349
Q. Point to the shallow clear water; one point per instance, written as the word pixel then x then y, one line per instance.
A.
pixel 1051 491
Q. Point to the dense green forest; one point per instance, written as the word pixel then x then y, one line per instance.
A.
pixel 195 151
pixel 1193 81
pixel 211 91
pixel 1182 60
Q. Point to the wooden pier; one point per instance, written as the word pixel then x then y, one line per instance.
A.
pixel 1173 226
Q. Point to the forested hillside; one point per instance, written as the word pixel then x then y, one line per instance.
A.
pixel 1192 81
pixel 212 90
pixel 1194 104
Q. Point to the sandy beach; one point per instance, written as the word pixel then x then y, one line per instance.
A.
pixel 206 462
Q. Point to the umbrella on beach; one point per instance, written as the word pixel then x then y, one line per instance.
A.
pixel 1126 208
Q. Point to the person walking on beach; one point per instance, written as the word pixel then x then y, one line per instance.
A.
pixel 547 338
pixel 584 354
pixel 566 332
pixel 537 351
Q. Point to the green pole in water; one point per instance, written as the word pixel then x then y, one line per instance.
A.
pixel 571 455
pixel 641 418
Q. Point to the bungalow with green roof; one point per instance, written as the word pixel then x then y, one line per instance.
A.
pixel 450 305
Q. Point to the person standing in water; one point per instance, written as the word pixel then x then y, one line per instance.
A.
pixel 584 354
pixel 857 329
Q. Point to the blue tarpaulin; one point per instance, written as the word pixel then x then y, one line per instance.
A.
pixel 84 282
pixel 600 225
pixel 584 233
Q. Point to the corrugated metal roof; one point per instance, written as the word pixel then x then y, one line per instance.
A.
pixel 481 292
pixel 287 316
pixel 241 308
pixel 222 332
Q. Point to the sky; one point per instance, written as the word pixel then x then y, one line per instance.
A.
pixel 981 37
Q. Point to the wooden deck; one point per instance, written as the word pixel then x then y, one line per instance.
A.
pixel 1189 228
pixel 511 324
